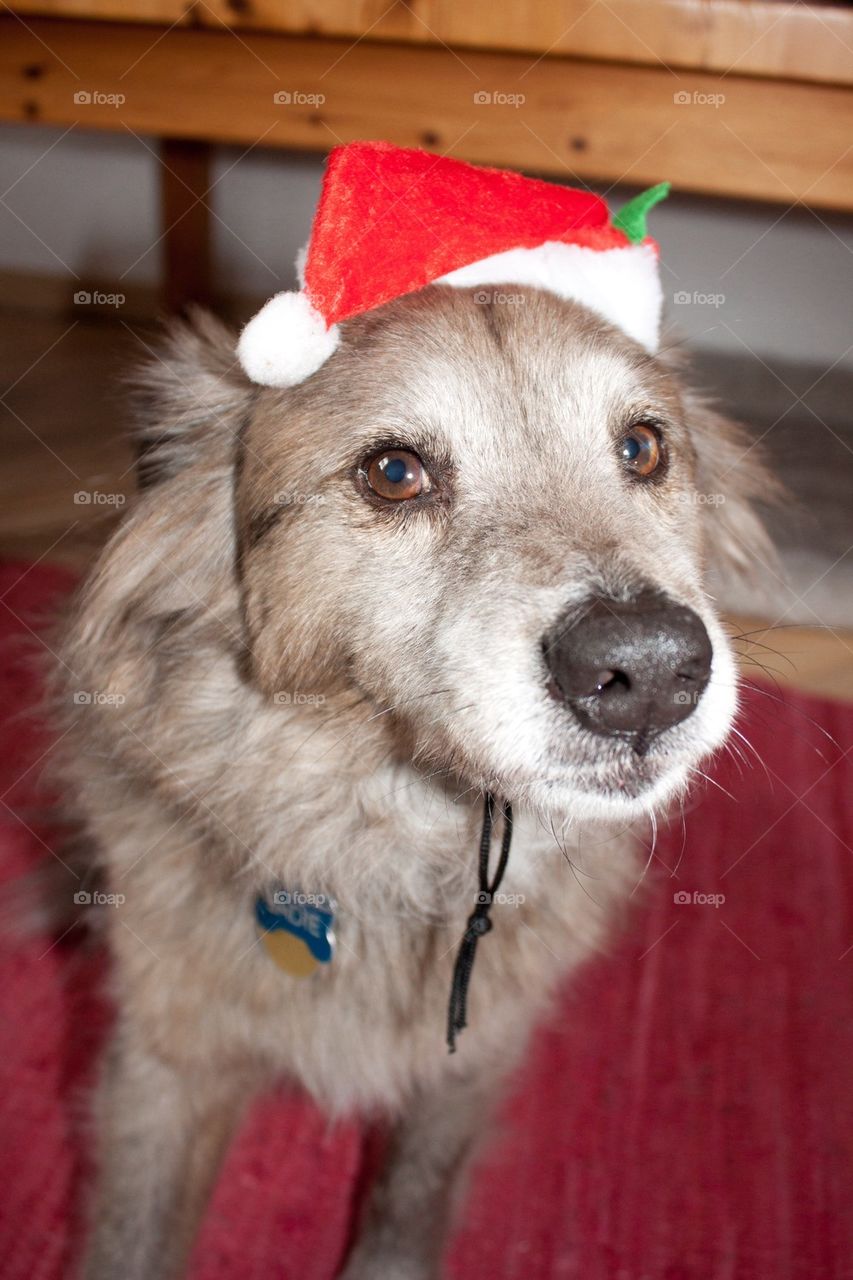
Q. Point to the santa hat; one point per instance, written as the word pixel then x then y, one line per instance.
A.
pixel 391 221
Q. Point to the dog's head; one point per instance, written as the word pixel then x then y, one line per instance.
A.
pixel 491 514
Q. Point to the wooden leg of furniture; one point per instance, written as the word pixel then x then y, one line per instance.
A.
pixel 185 181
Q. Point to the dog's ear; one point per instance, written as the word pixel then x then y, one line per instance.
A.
pixel 734 482
pixel 190 393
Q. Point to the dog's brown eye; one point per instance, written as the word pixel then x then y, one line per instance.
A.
pixel 640 450
pixel 397 475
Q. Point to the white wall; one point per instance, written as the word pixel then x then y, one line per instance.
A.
pixel 89 203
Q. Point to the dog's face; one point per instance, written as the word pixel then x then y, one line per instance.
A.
pixel 483 516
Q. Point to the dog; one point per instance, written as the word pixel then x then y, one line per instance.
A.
pixel 470 556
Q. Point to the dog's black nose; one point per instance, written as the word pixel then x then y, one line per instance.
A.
pixel 630 668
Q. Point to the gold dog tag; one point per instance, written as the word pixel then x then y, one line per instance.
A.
pixel 297 930
pixel 290 953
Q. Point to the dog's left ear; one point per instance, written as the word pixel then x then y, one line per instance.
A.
pixel 734 483
pixel 187 399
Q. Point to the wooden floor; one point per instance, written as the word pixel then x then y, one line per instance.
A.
pixel 63 436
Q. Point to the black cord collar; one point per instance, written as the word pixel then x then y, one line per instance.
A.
pixel 479 921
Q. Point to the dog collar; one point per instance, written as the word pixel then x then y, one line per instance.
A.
pixel 297 930
pixel 479 921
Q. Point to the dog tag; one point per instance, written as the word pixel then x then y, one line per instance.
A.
pixel 296 933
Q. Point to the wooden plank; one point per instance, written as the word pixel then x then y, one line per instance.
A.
pixel 754 37
pixel 184 183
pixel 165 11
pixel 733 136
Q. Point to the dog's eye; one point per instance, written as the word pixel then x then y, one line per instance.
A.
pixel 396 474
pixel 640 450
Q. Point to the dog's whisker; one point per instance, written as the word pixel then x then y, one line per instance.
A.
pixel 654 825
pixel 678 860
pixel 771 673
pixel 776 626
pixel 745 740
pixel 790 706
pixel 736 755
pixel 560 843
pixel 752 645
pixel 697 772
pixel 324 724
pixel 434 693
pixel 749 656
pixel 571 865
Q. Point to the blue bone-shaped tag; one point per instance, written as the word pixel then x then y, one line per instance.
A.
pixel 311 924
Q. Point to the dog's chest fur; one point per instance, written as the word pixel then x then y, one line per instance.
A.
pixel 366 1030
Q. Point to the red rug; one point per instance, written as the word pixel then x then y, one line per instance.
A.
pixel 689 1113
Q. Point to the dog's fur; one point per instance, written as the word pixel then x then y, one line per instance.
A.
pixel 317 692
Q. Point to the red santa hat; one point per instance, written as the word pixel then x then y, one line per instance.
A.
pixel 391 221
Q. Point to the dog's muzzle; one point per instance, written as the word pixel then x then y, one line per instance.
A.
pixel 629 668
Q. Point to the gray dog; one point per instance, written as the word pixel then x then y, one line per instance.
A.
pixel 467 557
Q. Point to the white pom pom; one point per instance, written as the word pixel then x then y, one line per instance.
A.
pixel 286 341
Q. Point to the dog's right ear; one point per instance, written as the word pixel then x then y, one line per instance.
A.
pixel 190 394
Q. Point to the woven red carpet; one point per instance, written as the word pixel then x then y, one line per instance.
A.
pixel 689 1113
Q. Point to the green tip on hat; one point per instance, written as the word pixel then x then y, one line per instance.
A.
pixel 631 218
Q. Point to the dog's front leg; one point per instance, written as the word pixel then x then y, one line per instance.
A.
pixel 161 1133
pixel 410 1209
